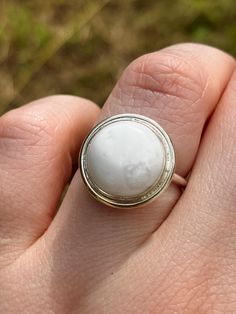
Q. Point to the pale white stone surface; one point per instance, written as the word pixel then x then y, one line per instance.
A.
pixel 125 158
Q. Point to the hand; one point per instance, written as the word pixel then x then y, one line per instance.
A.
pixel 176 255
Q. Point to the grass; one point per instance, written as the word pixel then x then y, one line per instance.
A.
pixel 81 47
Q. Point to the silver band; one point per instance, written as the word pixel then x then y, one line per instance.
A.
pixel 177 179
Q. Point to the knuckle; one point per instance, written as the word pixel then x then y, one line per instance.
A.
pixel 170 74
pixel 164 79
pixel 25 127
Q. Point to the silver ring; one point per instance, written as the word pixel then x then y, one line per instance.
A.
pixel 128 160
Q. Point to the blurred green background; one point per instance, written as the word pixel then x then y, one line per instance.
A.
pixel 81 47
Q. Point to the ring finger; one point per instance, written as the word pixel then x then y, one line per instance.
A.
pixel 178 87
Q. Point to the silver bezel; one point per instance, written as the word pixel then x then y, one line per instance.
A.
pixel 156 189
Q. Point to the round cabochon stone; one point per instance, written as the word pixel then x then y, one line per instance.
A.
pixel 125 158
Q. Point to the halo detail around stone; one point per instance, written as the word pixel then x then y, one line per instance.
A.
pixel 127 160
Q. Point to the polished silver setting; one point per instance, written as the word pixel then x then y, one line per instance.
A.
pixel 156 189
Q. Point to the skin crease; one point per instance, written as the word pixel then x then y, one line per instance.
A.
pixel 175 255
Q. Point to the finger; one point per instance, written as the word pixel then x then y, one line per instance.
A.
pixel 192 255
pixel 38 145
pixel 210 199
pixel 178 87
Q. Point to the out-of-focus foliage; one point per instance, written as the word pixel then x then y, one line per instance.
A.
pixel 80 47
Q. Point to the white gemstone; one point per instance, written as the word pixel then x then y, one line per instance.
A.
pixel 125 158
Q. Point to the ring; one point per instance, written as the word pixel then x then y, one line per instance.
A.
pixel 128 160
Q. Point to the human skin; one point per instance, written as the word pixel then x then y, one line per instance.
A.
pixel 175 255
